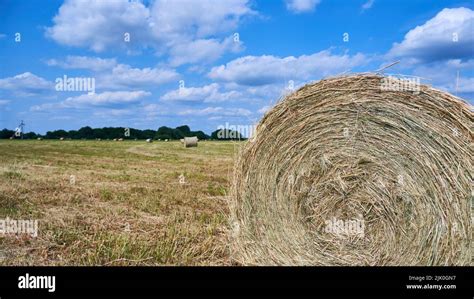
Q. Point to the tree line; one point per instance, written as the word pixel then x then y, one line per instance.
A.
pixel 126 133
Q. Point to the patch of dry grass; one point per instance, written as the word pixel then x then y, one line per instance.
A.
pixel 110 203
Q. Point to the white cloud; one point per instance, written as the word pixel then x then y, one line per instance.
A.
pixel 84 62
pixel 26 84
pixel 219 111
pixel 301 6
pixel 124 75
pixel 368 5
pixel 268 69
pixel 207 93
pixel 110 74
pixel 197 31
pixel 436 39
pixel 191 94
pixel 202 50
pixel 4 102
pixel 151 111
pixel 99 24
pixel 179 27
pixel 105 99
pixel 444 75
pixel 202 18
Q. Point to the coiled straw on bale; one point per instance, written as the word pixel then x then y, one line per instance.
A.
pixel 342 172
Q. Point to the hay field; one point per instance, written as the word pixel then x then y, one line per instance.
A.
pixel 116 203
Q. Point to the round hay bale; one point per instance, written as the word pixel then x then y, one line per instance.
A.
pixel 190 141
pixel 62 138
pixel 149 140
pixel 346 172
pixel 39 138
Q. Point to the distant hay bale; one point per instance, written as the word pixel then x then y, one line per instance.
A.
pixel 166 140
pixel 39 138
pixel 351 171
pixel 190 141
pixel 120 139
pixel 149 140
pixel 62 138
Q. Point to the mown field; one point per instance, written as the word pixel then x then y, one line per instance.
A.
pixel 116 203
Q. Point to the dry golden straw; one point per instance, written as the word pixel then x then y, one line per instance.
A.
pixel 346 171
pixel 190 141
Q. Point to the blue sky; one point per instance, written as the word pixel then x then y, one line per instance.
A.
pixel 207 63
